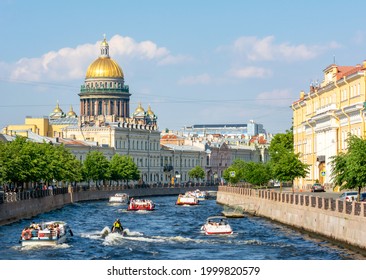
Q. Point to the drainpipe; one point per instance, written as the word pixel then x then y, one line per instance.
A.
pixel 295 141
pixel 349 121
pixel 338 133
pixel 313 148
pixel 363 122
pixel 361 114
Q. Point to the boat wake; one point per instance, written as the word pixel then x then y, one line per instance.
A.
pixel 96 234
pixel 37 247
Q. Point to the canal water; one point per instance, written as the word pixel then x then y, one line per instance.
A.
pixel 170 232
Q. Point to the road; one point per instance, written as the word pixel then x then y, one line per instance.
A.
pixel 327 194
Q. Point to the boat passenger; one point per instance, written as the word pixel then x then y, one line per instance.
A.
pixel 117 226
pixel 33 225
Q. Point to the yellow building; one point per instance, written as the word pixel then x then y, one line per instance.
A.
pixel 49 126
pixel 325 116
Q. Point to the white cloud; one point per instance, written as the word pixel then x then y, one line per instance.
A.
pixel 178 59
pixel 250 72
pixel 265 49
pixel 277 97
pixel 202 79
pixel 71 63
pixel 126 46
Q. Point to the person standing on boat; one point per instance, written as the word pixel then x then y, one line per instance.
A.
pixel 117 226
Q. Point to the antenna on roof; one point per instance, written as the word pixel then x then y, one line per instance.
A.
pixel 334 59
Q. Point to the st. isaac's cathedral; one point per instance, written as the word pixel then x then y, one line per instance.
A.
pixel 105 118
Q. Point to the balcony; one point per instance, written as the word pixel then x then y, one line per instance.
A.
pixel 168 168
pixel 84 89
pixel 324 109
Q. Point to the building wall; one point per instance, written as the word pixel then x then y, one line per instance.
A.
pixel 141 144
pixel 40 126
pixel 325 116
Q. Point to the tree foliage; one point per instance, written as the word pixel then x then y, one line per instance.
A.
pixel 256 173
pixel 197 173
pixel 96 167
pixel 24 161
pixel 123 168
pixel 284 163
pixel 234 173
pixel 349 169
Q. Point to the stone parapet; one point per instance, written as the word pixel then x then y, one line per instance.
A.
pixel 337 220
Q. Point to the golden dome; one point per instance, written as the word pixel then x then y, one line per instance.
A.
pixel 57 109
pixel 139 109
pixel 149 111
pixel 139 112
pixel 71 113
pixel 104 67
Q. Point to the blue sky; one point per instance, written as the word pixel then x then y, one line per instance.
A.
pixel 194 62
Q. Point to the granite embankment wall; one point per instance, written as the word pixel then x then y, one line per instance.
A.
pixel 14 210
pixel 341 221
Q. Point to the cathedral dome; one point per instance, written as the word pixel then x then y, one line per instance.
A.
pixel 57 109
pixel 150 112
pixel 139 112
pixel 71 113
pixel 104 66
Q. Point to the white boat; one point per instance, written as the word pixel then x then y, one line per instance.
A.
pixel 187 199
pixel 216 225
pixel 45 234
pixel 211 194
pixel 119 198
pixel 201 195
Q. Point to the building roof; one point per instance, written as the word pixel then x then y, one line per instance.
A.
pixel 344 71
pixel 200 126
pixel 182 148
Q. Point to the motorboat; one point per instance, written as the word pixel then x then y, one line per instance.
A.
pixel 216 225
pixel 201 195
pixel 45 233
pixel 140 205
pixel 211 194
pixel 119 198
pixel 187 199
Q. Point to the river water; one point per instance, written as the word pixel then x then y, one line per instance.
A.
pixel 170 232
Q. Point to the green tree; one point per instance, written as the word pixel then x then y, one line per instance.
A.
pixel 69 168
pixel 197 173
pixel 349 169
pixel 123 168
pixel 285 165
pixel 96 167
pixel 232 174
pixel 17 161
pixel 256 173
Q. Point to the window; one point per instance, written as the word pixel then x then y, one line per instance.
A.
pixel 100 107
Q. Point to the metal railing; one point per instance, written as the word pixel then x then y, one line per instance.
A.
pixel 321 203
pixel 9 197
